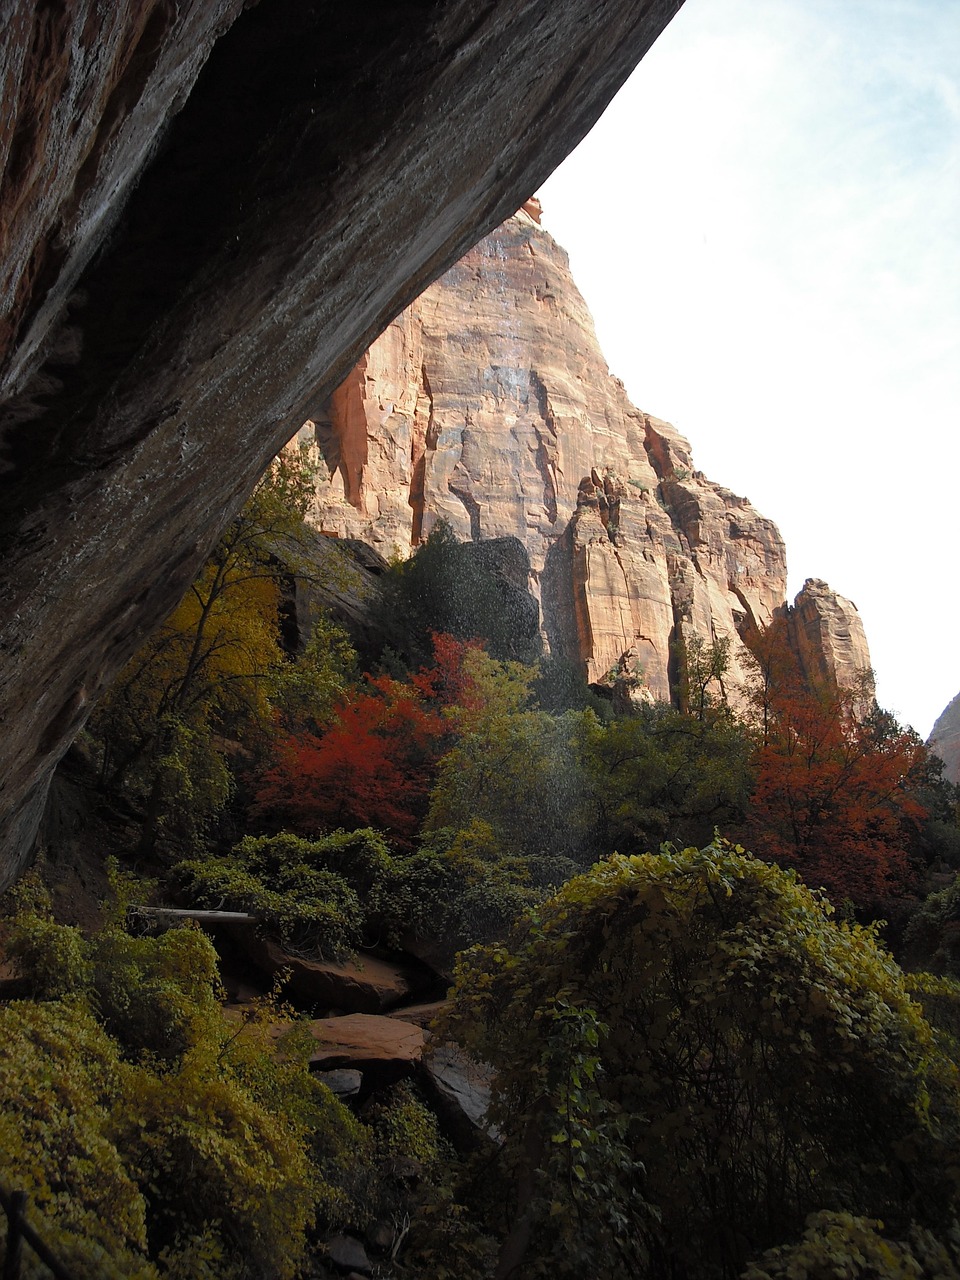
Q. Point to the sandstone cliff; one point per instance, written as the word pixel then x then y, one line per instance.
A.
pixel 827 634
pixel 945 740
pixel 488 403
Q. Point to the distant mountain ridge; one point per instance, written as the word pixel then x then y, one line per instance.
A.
pixel 488 404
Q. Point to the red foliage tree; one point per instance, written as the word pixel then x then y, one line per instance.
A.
pixel 836 776
pixel 376 764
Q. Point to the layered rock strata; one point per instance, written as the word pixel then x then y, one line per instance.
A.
pixel 488 404
pixel 208 210
pixel 826 633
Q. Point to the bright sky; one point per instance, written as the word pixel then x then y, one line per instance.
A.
pixel 766 226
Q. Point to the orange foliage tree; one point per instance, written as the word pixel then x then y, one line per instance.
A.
pixel 836 780
pixel 374 766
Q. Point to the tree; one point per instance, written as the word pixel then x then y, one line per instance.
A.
pixel 691 1056
pixel 665 775
pixel 216 671
pixel 512 768
pixel 702 670
pixel 836 781
pixel 375 764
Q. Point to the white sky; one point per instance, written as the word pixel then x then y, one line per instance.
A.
pixel 766 226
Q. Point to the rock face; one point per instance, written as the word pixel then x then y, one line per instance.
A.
pixel 488 403
pixel 208 210
pixel 945 740
pixel 827 634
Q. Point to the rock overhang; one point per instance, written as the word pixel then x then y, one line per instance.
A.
pixel 208 212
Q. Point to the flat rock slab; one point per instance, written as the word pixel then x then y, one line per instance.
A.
pixel 421 1015
pixel 367 984
pixel 359 1038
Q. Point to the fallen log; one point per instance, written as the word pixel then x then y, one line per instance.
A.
pixel 171 915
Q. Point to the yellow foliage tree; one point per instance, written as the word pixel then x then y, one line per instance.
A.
pixel 215 675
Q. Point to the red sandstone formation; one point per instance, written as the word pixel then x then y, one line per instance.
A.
pixel 488 403
pixel 827 634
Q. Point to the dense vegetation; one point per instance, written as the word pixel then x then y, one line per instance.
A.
pixel 707 1062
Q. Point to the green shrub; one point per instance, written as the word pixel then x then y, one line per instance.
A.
pixel 154 995
pixel 54 959
pixel 839 1246
pixel 61 1081
pixel 153 1138
pixel 405 1131
pixel 931 939
pixel 756 1058
pixel 454 892
pixel 306 892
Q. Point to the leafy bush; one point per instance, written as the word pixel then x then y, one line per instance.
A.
pixel 756 1058
pixel 839 1246
pixel 456 891
pixel 932 937
pixel 61 1080
pixel 306 892
pixel 406 1133
pixel 153 1138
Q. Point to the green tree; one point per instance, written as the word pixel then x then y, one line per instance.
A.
pixel 512 768
pixel 757 1060
pixel 702 670
pixel 665 775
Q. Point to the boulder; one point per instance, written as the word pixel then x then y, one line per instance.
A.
pixel 348 1254
pixel 461 1092
pixel 366 984
pixel 344 1083
pixel 363 1039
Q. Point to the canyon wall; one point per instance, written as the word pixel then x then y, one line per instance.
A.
pixel 208 210
pixel 488 404
pixel 944 741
